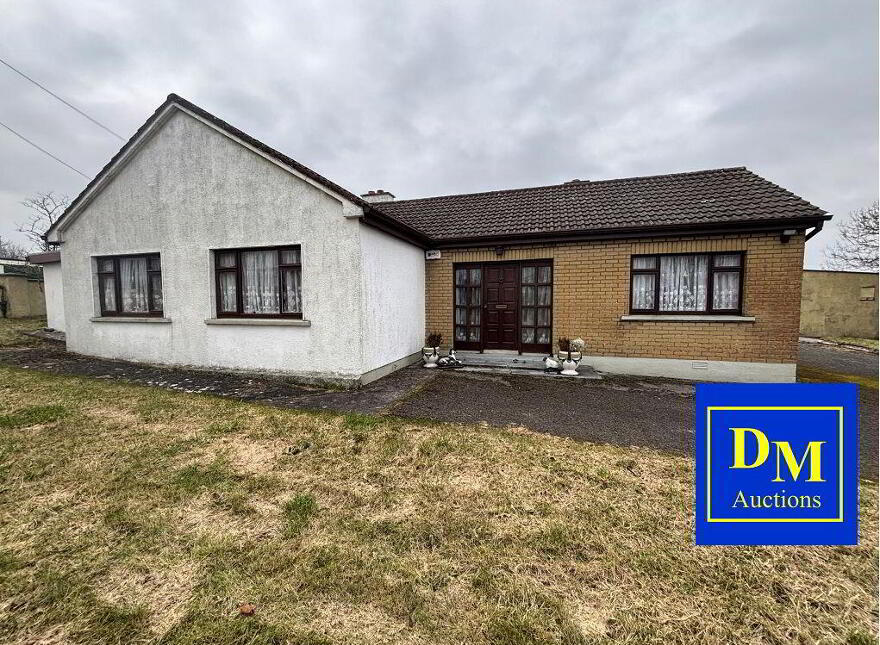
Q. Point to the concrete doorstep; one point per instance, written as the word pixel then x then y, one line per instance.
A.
pixel 498 362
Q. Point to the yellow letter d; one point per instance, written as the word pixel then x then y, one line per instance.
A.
pixel 739 447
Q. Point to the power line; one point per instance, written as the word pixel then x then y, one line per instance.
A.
pixel 43 150
pixel 72 107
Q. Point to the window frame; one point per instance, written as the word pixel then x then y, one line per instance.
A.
pixel 237 271
pixel 536 347
pixel 468 286
pixel 711 272
pixel 117 286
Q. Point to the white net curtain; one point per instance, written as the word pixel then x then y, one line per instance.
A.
pixel 683 280
pixel 725 288
pixel 133 285
pixel 260 282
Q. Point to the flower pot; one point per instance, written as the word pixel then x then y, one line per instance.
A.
pixel 570 361
pixel 430 356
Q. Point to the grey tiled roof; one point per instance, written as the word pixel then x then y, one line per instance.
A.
pixel 695 199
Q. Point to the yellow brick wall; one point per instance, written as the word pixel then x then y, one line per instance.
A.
pixel 591 292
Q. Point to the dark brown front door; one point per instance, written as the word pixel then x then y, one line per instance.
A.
pixel 501 289
pixel 504 305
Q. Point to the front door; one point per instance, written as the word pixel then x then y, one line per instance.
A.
pixel 504 305
pixel 501 288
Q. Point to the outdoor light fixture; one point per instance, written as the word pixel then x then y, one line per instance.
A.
pixel 787 234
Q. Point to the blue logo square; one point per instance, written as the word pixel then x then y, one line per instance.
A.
pixel 777 463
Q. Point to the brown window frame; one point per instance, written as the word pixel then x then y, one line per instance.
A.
pixel 237 271
pixel 713 270
pixel 535 347
pixel 117 290
pixel 468 286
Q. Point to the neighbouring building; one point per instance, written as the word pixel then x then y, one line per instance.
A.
pixel 21 290
pixel 839 304
pixel 54 295
pixel 199 245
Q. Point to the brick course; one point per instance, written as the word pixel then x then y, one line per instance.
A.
pixel 591 282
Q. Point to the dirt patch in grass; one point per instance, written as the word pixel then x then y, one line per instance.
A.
pixel 157 586
pixel 135 515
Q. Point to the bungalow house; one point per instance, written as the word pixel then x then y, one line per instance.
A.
pixel 198 245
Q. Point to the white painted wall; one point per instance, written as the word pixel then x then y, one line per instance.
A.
pixel 393 284
pixel 54 293
pixel 695 370
pixel 191 189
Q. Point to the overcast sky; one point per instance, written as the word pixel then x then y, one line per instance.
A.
pixel 427 98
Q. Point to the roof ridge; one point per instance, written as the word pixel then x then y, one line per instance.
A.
pixel 253 142
pixel 575 182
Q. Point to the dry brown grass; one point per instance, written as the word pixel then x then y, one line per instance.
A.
pixel 135 515
pixel 11 331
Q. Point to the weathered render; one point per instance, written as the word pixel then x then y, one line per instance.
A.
pixel 21 290
pixel 52 284
pixel 189 190
pixel 393 286
pixel 839 303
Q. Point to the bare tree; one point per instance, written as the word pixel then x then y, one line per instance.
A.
pixel 856 248
pixel 47 208
pixel 11 251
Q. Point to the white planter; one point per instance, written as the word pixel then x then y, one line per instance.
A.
pixel 430 356
pixel 569 365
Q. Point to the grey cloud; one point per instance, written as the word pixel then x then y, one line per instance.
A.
pixel 433 98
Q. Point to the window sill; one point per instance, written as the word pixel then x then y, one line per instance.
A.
pixel 130 319
pixel 698 318
pixel 260 322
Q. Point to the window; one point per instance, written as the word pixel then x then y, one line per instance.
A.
pixel 259 283
pixel 468 306
pixel 687 283
pixel 130 285
pixel 535 299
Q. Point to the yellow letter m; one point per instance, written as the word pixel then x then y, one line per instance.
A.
pixel 813 451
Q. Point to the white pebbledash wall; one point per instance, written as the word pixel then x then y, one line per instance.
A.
pixel 191 189
pixel 393 285
pixel 54 293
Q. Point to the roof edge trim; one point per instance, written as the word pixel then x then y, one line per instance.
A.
pixel 556 237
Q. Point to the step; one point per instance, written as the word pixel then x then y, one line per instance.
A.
pixel 504 362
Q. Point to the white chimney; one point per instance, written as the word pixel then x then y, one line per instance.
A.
pixel 376 196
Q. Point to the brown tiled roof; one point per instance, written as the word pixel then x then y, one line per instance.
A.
pixel 695 200
pixel 707 198
pixel 47 257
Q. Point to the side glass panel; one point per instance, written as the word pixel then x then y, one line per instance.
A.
pixel 468 304
pixel 535 302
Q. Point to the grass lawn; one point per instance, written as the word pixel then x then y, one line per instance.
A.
pixel 807 374
pixel 11 328
pixel 131 514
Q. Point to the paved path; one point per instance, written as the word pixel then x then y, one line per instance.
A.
pixel 373 399
pixel 655 413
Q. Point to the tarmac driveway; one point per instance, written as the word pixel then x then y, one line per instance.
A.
pixel 655 413
pixel 623 411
